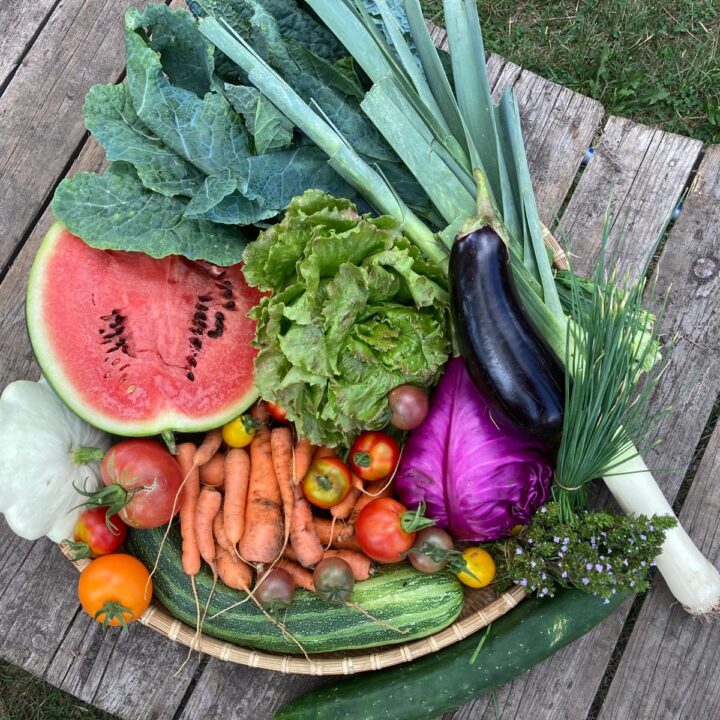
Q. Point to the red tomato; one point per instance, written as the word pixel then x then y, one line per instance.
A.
pixel 327 482
pixel 374 455
pixel 93 535
pixel 145 479
pixel 276 411
pixel 386 529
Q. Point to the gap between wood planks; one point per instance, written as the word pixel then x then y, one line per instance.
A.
pixel 26 49
pixel 639 601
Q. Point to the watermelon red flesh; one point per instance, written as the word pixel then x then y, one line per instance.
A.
pixel 137 345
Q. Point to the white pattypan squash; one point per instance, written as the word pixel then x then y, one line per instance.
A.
pixel 44 450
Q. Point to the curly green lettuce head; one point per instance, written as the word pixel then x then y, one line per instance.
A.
pixel 354 311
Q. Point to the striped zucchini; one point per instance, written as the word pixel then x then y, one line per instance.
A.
pixel 399 595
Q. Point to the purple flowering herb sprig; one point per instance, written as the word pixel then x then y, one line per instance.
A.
pixel 600 552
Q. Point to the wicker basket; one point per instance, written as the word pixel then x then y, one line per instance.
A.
pixel 481 607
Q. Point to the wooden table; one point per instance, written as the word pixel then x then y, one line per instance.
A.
pixel 649 659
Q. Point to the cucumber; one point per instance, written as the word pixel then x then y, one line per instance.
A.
pixel 417 603
pixel 440 682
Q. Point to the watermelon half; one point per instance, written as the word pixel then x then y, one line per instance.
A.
pixel 137 345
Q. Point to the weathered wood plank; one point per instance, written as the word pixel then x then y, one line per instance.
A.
pixel 21 22
pixel 235 693
pixel 564 686
pixel 669 667
pixel 41 108
pixel 640 173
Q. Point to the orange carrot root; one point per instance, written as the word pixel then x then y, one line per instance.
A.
pixel 208 447
pixel 212 473
pixel 359 563
pixel 342 510
pixel 237 476
pixel 303 578
pixel 337 537
pixel 188 509
pixel 233 571
pixel 281 445
pixel 262 537
pixel 220 534
pixel 302 459
pixel 208 506
pixel 303 535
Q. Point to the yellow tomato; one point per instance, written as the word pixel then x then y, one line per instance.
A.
pixel 238 433
pixel 480 563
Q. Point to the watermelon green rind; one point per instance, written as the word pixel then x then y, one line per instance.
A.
pixel 56 376
pixel 417 603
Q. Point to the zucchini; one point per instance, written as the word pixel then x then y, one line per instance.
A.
pixel 418 603
pixel 440 682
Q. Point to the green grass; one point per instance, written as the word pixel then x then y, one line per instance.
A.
pixel 24 697
pixel 655 62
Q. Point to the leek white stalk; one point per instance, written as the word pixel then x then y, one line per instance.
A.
pixel 689 575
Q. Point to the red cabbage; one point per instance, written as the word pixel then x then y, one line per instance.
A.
pixel 478 475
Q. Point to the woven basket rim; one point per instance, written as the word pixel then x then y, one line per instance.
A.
pixel 160 620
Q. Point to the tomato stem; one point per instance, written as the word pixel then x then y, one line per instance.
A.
pixel 361 459
pixel 113 497
pixel 412 521
pixel 83 454
pixel 113 610
pixel 78 550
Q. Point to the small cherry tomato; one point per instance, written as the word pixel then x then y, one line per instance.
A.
pixel 277 412
pixel 96 534
pixel 275 591
pixel 386 529
pixel 479 562
pixel 115 589
pixel 327 482
pixel 333 580
pixel 374 455
pixel 409 405
pixel 238 433
pixel 432 551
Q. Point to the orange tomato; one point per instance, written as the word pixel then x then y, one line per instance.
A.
pixel 115 589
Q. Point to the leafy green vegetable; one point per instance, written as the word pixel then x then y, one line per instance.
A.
pixel 354 312
pixel 116 211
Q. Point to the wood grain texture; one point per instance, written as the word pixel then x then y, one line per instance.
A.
pixel 41 108
pixel 564 686
pixel 236 693
pixel 666 643
pixel 638 172
pixel 669 668
pixel 20 23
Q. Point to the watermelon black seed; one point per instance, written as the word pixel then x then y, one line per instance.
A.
pixel 192 361
pixel 204 298
pixel 121 341
pixel 227 283
pixel 219 315
pixel 218 331
pixel 196 343
pixel 113 348
pixel 212 334
pixel 201 307
pixel 228 293
pixel 230 305
pixel 101 330
pixel 199 316
pixel 190 376
pixel 124 348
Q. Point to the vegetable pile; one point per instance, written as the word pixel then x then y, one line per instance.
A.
pixel 383 210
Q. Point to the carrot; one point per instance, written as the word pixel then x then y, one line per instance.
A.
pixel 303 578
pixel 290 554
pixel 262 537
pixel 237 475
pixel 190 492
pixel 208 506
pixel 343 509
pixel 302 460
pixel 324 452
pixel 213 471
pixel 359 563
pixel 233 571
pixel 281 444
pixel 221 537
pixel 260 412
pixel 335 536
pixel 303 536
pixel 208 447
